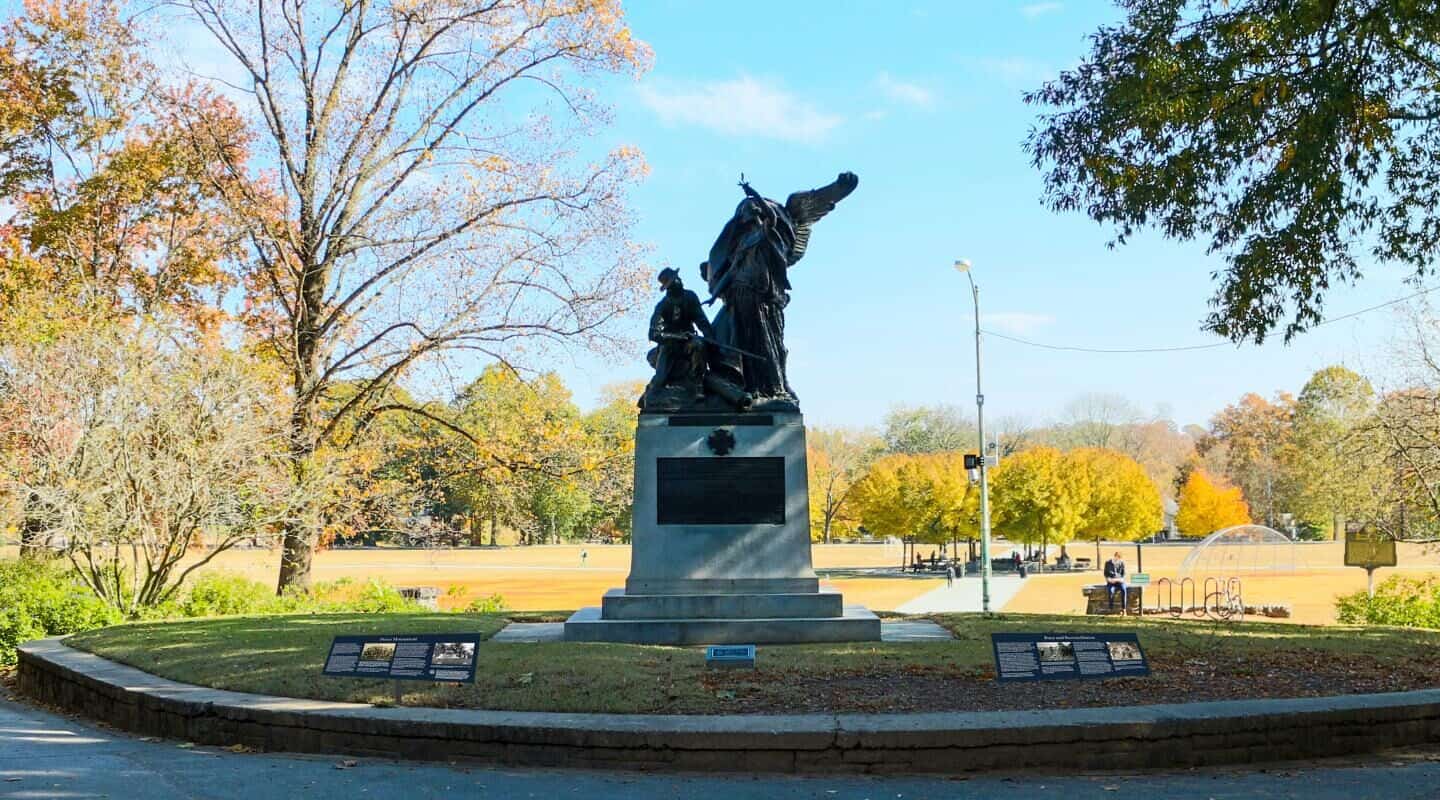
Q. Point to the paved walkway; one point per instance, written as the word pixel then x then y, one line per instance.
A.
pixel 43 756
pixel 964 596
pixel 919 630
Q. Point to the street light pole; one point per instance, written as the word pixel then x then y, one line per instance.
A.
pixel 963 265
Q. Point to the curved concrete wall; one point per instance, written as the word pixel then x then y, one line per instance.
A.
pixel 1191 734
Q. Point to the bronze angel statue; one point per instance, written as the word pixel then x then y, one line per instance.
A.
pixel 747 270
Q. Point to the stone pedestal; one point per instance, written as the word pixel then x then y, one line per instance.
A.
pixel 720 544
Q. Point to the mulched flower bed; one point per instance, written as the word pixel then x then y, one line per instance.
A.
pixel 1173 679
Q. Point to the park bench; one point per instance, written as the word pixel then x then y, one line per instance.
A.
pixel 1097 599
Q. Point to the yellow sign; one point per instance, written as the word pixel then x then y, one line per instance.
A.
pixel 1369 548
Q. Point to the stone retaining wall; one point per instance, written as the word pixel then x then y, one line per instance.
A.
pixel 1192 734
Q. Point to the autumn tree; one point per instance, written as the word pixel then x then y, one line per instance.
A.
pixel 1206 506
pixel 109 215
pixel 837 459
pixel 1291 137
pixel 927 429
pixel 1336 469
pixel 610 429
pixel 1097 419
pixel 926 497
pixel 1036 499
pixel 1403 433
pixel 110 212
pixel 421 193
pixel 1258 441
pixel 146 458
pixel 1121 502
pixel 522 456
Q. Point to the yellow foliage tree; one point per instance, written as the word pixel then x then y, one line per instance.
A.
pixel 1036 499
pixel 926 496
pixel 836 459
pixel 1121 502
pixel 1206 506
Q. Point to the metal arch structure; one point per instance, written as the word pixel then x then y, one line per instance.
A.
pixel 1240 550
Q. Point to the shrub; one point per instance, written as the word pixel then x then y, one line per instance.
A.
pixel 44 599
pixel 39 600
pixel 379 597
pixel 493 604
pixel 221 594
pixel 1406 602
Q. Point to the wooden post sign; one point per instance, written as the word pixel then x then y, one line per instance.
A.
pixel 1369 549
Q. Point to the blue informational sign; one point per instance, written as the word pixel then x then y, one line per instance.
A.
pixel 1057 656
pixel 447 657
pixel 730 655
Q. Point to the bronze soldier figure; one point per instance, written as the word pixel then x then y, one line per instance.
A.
pixel 678 355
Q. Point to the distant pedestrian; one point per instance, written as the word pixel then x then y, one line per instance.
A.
pixel 950 576
pixel 584 554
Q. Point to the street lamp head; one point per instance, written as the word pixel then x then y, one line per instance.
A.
pixel 962 265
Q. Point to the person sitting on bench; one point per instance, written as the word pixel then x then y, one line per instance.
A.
pixel 1115 581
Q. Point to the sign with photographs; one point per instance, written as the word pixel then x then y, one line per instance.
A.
pixel 448 657
pixel 1055 656
pixel 1369 548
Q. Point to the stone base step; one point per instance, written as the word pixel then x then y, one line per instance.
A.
pixel 857 624
pixel 621 605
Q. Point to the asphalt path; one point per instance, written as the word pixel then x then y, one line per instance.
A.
pixel 47 756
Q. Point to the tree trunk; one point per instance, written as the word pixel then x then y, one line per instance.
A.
pixel 297 549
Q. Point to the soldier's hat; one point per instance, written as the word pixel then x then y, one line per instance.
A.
pixel 667 274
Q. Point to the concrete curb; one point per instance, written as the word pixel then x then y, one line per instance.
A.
pixel 1180 735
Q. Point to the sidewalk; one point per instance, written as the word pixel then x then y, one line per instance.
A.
pixel 964 596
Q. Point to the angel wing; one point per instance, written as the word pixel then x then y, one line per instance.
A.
pixel 806 208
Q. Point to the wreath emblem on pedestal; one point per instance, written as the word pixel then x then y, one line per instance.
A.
pixel 721 441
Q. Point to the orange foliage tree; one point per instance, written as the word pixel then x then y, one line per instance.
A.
pixel 1207 506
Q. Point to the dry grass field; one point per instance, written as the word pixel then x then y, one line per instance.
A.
pixel 552 578
pixel 1319 576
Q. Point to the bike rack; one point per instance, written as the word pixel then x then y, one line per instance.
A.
pixel 1222 599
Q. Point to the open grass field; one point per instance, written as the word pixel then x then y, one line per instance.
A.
pixel 1189 661
pixel 552 577
pixel 1319 577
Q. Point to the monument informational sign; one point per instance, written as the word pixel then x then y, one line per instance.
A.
pixel 1058 656
pixel 1370 549
pixel 447 657
pixel 1140 579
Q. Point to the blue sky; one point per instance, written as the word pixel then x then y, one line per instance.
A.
pixel 922 100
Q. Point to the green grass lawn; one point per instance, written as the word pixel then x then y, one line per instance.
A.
pixel 284 655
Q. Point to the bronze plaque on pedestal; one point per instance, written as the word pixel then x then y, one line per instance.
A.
pixel 720 491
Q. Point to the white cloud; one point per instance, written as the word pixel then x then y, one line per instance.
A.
pixel 1016 322
pixel 1018 69
pixel 910 94
pixel 1040 9
pixel 745 106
